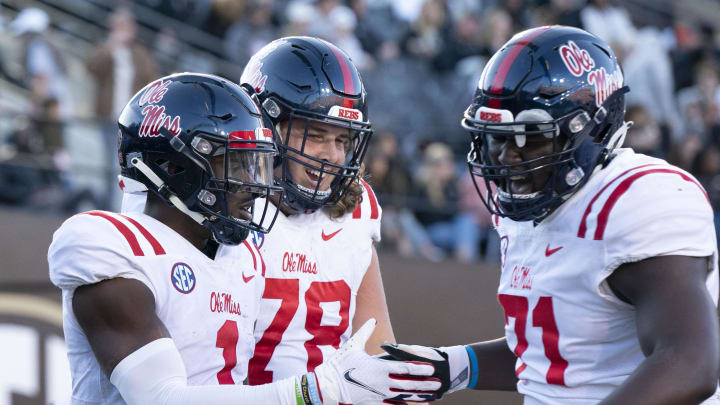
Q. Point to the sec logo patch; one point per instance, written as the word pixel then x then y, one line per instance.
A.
pixel 182 278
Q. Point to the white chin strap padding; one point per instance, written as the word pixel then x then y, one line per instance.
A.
pixel 618 138
pixel 147 171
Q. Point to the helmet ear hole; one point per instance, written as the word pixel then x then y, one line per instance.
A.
pixel 169 167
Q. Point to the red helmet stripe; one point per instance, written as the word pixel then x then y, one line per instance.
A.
pixel 347 76
pixel 506 63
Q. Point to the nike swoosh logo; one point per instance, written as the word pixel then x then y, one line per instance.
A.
pixel 549 251
pixel 328 237
pixel 247 279
pixel 351 380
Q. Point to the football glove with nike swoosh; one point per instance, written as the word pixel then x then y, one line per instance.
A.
pixel 455 366
pixel 353 376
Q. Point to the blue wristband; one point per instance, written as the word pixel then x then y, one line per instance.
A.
pixel 313 388
pixel 473 367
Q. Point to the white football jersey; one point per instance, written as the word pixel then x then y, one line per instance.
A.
pixel 208 306
pixel 575 340
pixel 315 265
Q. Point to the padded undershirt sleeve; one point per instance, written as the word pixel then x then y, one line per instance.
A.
pixel 155 374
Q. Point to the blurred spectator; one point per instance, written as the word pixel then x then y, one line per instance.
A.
pixel 684 151
pixel 465 41
pixel 607 21
pixel 299 15
pixel 323 25
pixel 223 14
pixel 387 172
pixel 43 64
pixel 645 135
pixel 429 33
pixel 562 12
pixel 247 35
pixel 644 58
pixel 496 29
pixel 706 167
pixel 470 202
pixel 344 23
pixel 120 66
pixel 377 29
pixel 435 203
pixel 168 50
pixel 518 11
pixel 699 104
pixel 693 43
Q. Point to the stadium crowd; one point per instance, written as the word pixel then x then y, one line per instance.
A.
pixel 421 60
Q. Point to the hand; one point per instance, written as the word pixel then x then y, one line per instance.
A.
pixel 353 376
pixel 452 364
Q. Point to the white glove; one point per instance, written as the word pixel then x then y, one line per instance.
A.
pixel 452 364
pixel 353 376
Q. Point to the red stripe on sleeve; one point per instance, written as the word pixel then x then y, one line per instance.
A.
pixel 623 187
pixel 583 223
pixel 157 247
pixel 374 212
pixel 124 230
pixel 247 245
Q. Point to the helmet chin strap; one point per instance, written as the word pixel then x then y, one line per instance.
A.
pixel 147 171
pixel 618 138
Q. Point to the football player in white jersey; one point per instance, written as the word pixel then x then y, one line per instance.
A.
pixel 153 312
pixel 609 270
pixel 322 274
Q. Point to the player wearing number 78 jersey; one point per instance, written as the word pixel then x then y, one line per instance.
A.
pixel 153 313
pixel 609 278
pixel 322 273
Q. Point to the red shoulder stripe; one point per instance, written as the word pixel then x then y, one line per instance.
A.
pixel 374 212
pixel 583 223
pixel 623 187
pixel 157 247
pixel 247 245
pixel 124 230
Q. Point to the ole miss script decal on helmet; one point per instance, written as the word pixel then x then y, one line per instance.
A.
pixel 154 115
pixel 578 61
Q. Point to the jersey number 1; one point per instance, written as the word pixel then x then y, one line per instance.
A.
pixel 543 317
pixel 288 291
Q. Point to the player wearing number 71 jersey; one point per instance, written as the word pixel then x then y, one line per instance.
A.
pixel 323 278
pixel 609 278
pixel 153 313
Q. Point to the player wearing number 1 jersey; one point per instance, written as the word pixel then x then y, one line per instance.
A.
pixel 153 312
pixel 609 279
pixel 322 273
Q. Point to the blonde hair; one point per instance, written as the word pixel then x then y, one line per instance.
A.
pixel 350 200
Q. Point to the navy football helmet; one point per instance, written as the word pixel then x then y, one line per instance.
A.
pixel 198 142
pixel 301 81
pixel 554 83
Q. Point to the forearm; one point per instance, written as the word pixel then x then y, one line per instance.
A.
pixel 495 366
pixel 155 374
pixel 665 378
